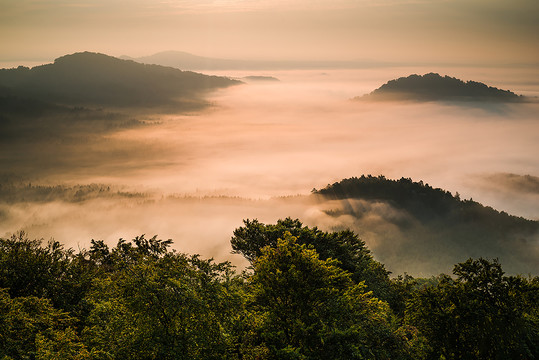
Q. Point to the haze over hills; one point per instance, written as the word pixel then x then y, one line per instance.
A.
pixel 242 147
pixel 434 87
pixel 96 150
pixel 259 78
pixel 409 226
pixel 186 61
pixel 97 79
pixel 87 93
pixel 417 227
pixel 49 111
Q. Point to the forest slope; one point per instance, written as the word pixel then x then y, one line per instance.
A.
pixel 420 228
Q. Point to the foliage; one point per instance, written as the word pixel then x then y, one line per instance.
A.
pixel 344 246
pixel 63 345
pixel 142 300
pixel 162 305
pixel 479 315
pixel 27 323
pixel 29 269
pixel 311 309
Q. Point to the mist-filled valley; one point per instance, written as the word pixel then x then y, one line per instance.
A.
pixel 256 149
pixel 270 180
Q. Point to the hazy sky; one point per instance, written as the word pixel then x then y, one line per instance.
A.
pixel 451 31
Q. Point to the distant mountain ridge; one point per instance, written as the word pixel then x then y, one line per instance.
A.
pixel 434 87
pixel 416 225
pixel 93 78
pixel 186 61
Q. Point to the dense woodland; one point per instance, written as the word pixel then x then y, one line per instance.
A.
pixel 308 294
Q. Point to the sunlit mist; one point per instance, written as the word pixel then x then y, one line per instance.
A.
pixel 262 146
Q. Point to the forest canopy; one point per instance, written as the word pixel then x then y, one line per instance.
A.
pixel 308 294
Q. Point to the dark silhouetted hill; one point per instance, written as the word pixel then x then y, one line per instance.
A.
pixel 434 87
pixel 49 111
pixel 97 79
pixel 426 228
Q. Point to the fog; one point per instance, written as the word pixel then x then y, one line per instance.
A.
pixel 259 150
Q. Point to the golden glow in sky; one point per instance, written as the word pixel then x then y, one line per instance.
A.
pixel 439 31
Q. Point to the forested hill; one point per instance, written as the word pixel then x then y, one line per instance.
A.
pixel 434 87
pixel 424 201
pixel 92 78
pixel 417 224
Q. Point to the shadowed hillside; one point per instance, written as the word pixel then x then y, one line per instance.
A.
pixel 97 79
pixel 50 112
pixel 434 87
pixel 413 223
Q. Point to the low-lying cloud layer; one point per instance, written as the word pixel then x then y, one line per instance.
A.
pixel 203 173
pixel 524 184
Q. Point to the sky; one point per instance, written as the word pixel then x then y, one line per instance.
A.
pixel 470 32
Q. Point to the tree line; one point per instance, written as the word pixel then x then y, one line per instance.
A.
pixel 307 294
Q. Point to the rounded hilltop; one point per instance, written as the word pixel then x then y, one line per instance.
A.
pixel 434 87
